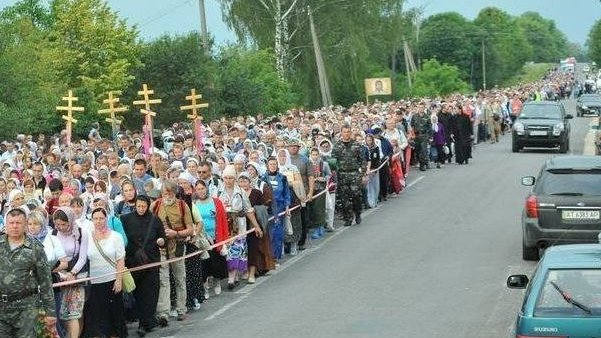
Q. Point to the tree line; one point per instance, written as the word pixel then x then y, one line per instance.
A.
pixel 48 47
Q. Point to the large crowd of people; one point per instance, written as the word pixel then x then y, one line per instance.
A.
pixel 98 205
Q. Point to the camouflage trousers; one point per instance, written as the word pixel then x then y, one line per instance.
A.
pixel 421 148
pixel 18 322
pixel 349 194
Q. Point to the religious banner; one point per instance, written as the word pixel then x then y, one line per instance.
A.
pixel 149 114
pixel 378 86
pixel 196 117
pixel 70 109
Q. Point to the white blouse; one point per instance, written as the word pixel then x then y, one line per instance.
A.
pixel 54 249
pixel 114 248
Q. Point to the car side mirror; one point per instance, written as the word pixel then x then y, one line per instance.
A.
pixel 517 281
pixel 569 116
pixel 528 180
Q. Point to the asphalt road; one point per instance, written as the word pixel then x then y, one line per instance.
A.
pixel 430 263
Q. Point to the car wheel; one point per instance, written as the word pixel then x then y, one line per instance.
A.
pixel 515 147
pixel 563 147
pixel 530 254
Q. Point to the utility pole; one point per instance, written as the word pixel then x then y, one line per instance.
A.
pixel 483 66
pixel 326 98
pixel 204 35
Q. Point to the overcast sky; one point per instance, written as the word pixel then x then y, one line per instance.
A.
pixel 157 17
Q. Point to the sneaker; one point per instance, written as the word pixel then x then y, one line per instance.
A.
pixel 315 234
pixel 358 218
pixel 196 306
pixel 217 286
pixel 173 313
pixel 181 316
pixel 293 249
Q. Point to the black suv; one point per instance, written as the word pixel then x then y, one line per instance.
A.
pixel 564 205
pixel 588 104
pixel 542 124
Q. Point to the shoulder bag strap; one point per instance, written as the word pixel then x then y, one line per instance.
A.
pixel 110 261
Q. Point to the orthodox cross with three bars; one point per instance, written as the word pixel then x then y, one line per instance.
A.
pixel 146 102
pixel 69 109
pixel 113 101
pixel 195 116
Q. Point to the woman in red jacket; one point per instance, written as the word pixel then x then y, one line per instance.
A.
pixel 214 220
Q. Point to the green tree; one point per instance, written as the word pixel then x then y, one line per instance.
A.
pixel 549 42
pixel 248 83
pixel 451 39
pixel 435 79
pixel 29 87
pixel 171 66
pixel 594 42
pixel 95 51
pixel 506 46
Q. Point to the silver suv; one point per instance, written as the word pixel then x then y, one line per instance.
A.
pixel 564 205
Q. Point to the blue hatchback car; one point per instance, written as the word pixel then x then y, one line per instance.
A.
pixel 563 299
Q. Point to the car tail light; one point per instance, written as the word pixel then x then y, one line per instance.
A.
pixel 532 207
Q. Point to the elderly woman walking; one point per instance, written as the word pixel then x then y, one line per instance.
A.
pixel 238 208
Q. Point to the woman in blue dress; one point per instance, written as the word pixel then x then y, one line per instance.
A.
pixel 282 197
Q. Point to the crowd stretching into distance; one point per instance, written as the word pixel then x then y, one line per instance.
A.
pixel 98 205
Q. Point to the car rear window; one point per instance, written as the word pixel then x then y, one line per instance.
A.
pixel 580 285
pixel 578 182
pixel 541 111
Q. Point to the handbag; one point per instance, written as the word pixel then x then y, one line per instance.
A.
pixel 288 226
pixel 129 284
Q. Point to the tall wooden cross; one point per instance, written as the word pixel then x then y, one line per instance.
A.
pixel 70 108
pixel 149 114
pixel 113 109
pixel 195 106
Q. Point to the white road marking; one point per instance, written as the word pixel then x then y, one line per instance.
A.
pixel 247 290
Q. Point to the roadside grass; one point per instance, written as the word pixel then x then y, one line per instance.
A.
pixel 530 72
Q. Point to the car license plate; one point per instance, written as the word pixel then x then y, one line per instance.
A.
pixel 538 133
pixel 580 214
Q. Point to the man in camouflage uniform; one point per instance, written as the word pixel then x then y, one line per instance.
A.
pixel 24 269
pixel 352 167
pixel 422 127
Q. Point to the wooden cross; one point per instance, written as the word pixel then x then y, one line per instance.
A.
pixel 69 109
pixel 194 106
pixel 195 116
pixel 113 101
pixel 146 102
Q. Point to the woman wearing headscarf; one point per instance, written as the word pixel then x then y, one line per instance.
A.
pixel 146 234
pixel 75 242
pixel 104 312
pixel 462 131
pixel 260 257
pixel 282 198
pixel 114 222
pixel 238 208
pixel 194 291
pixel 373 160
pixel 295 182
pixel 214 219
pixel 317 207
pixel 37 226
pixel 128 204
